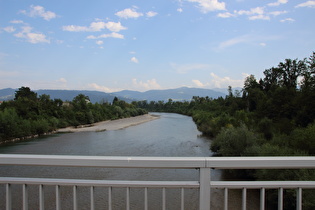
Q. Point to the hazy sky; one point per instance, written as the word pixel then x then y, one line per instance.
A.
pixel 144 44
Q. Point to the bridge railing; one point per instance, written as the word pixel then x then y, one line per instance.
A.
pixel 204 184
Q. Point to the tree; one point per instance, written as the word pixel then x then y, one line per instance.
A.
pixel 291 70
pixel 80 102
pixel 25 92
pixel 250 83
pixel 115 100
pixel 26 103
pixel 308 82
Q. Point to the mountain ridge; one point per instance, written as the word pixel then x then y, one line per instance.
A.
pixel 176 94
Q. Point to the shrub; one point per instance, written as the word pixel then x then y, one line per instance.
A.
pixel 233 141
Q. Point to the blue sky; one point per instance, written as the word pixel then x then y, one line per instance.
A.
pixel 143 44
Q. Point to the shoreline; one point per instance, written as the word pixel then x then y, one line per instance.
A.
pixel 110 125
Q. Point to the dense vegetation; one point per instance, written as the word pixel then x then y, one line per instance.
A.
pixel 29 114
pixel 273 116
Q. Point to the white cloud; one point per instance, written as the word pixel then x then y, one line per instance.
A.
pixel 262 44
pixel 256 13
pixel 31 37
pixel 95 86
pixel 184 68
pixel 16 21
pixel 62 80
pixel 151 14
pixel 206 6
pixel 252 11
pixel 251 39
pixel 99 42
pixel 233 41
pixel 74 28
pixel 115 27
pixel 220 82
pixel 276 13
pixel 129 13
pixel 310 4
pixel 39 11
pixel 148 85
pixel 277 3
pixel 180 10
pixel 198 83
pixel 134 60
pixel 61 83
pixel 9 29
pixel 226 15
pixel 223 82
pixel 111 35
pixel 95 26
pixel 287 20
pixel 259 17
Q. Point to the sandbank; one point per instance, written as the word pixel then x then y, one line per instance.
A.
pixel 111 124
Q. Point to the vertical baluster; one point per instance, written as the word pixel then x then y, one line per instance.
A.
pixel 8 197
pixel 244 197
pixel 92 198
pixel 128 199
pixel 58 204
pixel 226 198
pixel 299 199
pixel 280 198
pixel 25 197
pixel 75 202
pixel 164 199
pixel 204 190
pixel 41 197
pixel 146 198
pixel 110 198
pixel 182 199
pixel 262 198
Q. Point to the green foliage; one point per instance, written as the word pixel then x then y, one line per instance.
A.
pixel 234 141
pixel 272 117
pixel 304 139
pixel 30 115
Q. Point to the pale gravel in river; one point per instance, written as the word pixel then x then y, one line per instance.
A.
pixel 112 124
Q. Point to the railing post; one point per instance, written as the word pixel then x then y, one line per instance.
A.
pixel 204 191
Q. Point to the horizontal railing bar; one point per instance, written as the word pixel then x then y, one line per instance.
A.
pixel 160 184
pixel 103 161
pixel 99 183
pixel 160 162
pixel 263 184
pixel 282 162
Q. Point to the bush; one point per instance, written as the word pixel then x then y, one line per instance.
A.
pixel 304 139
pixel 233 141
pixel 40 126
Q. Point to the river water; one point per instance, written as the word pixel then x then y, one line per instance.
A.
pixel 172 135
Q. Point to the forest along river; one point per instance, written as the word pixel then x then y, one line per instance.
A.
pixel 171 135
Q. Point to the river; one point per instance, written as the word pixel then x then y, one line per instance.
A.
pixel 171 135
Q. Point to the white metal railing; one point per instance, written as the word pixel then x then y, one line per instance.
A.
pixel 204 164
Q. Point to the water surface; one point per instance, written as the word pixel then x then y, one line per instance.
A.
pixel 171 135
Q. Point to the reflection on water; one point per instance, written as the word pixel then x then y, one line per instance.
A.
pixel 171 135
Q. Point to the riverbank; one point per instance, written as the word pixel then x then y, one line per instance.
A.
pixel 111 124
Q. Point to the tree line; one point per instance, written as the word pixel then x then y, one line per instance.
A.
pixel 29 114
pixel 272 116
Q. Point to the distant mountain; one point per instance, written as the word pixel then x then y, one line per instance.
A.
pixel 7 94
pixel 178 94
